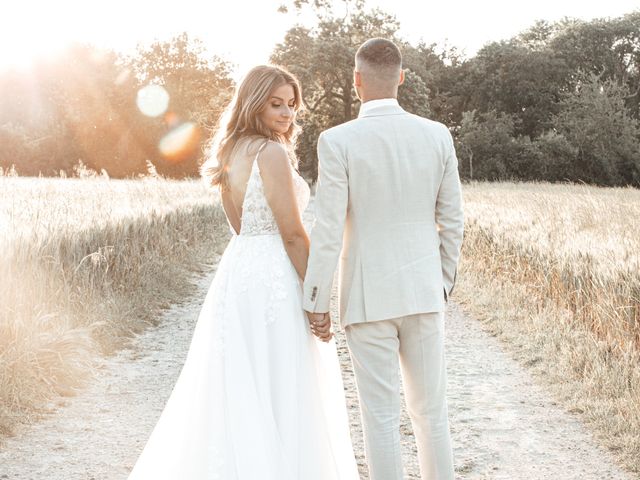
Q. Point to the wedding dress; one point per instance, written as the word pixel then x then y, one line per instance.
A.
pixel 258 397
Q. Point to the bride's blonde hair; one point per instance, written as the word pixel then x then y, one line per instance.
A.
pixel 241 119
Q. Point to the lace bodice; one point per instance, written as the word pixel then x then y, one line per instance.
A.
pixel 257 217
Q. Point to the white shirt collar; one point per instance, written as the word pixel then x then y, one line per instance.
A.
pixel 381 102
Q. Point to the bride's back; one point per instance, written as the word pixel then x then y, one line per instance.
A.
pixel 240 165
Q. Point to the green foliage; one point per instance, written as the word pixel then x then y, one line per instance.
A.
pixel 595 122
pixel 557 157
pixel 66 110
pixel 437 67
pixel 559 101
pixel 511 78
pixel 198 88
pixel 81 106
pixel 414 94
pixel 323 60
pixel 571 89
pixel 484 144
pixel 594 140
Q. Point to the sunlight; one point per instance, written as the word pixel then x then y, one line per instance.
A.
pixel 27 51
pixel 29 38
pixel 33 28
pixel 124 75
pixel 153 100
pixel 180 141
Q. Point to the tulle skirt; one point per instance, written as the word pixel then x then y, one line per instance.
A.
pixel 258 397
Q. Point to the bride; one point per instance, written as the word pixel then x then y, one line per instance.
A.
pixel 259 396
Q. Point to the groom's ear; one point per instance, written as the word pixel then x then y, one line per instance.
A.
pixel 401 80
pixel 357 78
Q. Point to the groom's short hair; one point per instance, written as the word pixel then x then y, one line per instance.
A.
pixel 381 56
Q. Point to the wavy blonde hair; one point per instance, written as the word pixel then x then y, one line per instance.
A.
pixel 241 120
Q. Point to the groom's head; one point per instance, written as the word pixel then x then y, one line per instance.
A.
pixel 378 70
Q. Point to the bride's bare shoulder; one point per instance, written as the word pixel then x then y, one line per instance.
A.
pixel 273 157
pixel 248 146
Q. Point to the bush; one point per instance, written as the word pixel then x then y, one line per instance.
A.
pixel 484 145
pixel 557 156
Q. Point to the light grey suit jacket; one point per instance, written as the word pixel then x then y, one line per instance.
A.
pixel 389 204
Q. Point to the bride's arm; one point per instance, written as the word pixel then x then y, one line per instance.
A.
pixel 279 190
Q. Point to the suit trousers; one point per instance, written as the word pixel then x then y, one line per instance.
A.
pixel 380 350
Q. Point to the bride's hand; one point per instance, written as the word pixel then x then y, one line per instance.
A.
pixel 321 325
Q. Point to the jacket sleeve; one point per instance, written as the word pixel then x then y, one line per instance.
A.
pixel 450 217
pixel 332 197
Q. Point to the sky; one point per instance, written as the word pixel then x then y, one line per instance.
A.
pixel 245 31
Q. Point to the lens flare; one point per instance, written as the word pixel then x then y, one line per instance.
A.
pixel 123 76
pixel 172 119
pixel 180 142
pixel 153 100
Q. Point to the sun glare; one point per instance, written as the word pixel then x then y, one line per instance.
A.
pixel 180 141
pixel 26 52
pixel 153 100
pixel 27 34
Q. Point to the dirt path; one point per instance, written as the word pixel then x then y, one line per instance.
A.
pixel 504 426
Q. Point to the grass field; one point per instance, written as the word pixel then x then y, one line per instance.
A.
pixel 554 270
pixel 86 263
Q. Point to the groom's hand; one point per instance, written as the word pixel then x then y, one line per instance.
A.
pixel 320 325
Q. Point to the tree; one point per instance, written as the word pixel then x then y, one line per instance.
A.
pixel 81 105
pixel 487 140
pixel 557 158
pixel 93 98
pixel 436 66
pixel 538 36
pixel 594 120
pixel 322 58
pixel 606 47
pixel 77 108
pixel 510 78
pixel 198 88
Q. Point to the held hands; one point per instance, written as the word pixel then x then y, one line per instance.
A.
pixel 320 325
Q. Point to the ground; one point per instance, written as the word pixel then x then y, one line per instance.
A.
pixel 504 425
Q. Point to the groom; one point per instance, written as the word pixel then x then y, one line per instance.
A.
pixel 389 204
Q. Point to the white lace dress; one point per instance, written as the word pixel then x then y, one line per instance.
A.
pixel 258 397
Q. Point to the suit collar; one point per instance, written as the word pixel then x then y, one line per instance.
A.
pixel 383 106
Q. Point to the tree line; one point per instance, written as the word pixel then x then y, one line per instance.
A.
pixel 558 102
pixel 81 108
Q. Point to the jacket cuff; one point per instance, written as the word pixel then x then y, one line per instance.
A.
pixel 316 300
pixel 447 293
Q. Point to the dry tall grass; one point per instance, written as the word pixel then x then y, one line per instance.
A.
pixel 85 264
pixel 555 271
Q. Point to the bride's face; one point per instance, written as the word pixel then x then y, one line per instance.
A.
pixel 280 110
